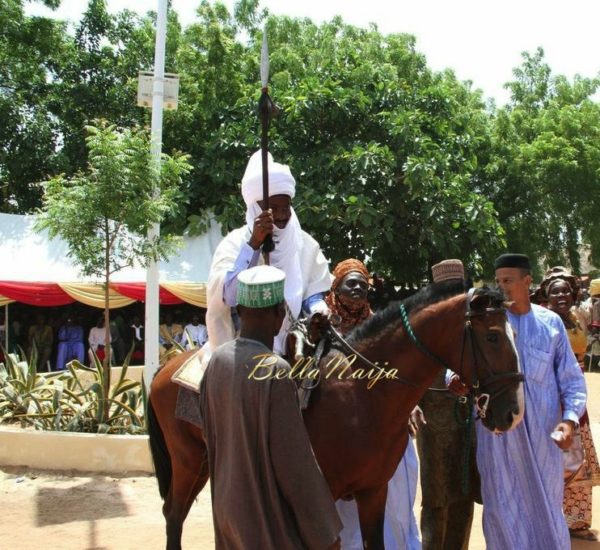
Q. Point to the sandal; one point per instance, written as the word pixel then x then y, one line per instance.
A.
pixel 583 534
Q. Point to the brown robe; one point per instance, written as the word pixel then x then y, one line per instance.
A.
pixel 267 489
pixel 447 513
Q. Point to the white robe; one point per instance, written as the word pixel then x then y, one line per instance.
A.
pixel 197 333
pixel 314 272
pixel 400 531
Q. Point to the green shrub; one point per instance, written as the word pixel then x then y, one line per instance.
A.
pixel 73 400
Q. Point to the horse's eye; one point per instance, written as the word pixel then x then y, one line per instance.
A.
pixel 492 337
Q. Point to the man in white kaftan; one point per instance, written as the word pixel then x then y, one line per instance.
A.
pixel 296 253
pixel 194 334
pixel 522 470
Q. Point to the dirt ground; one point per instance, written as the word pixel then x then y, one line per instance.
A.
pixel 77 511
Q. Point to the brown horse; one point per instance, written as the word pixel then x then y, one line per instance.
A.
pixel 358 427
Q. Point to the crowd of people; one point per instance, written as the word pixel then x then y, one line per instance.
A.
pixel 59 336
pixel 518 476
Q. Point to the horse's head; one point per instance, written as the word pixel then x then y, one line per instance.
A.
pixel 495 372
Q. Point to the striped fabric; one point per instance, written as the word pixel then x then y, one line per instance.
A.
pixel 521 471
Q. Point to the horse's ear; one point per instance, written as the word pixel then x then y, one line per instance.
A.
pixel 480 300
pixel 485 298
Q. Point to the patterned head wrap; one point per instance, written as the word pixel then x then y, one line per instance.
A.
pixel 351 311
pixel 559 273
pixel 348 266
pixel 260 286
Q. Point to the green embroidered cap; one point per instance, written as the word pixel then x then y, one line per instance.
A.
pixel 260 286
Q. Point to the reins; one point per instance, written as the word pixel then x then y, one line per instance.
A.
pixel 335 335
pixel 481 400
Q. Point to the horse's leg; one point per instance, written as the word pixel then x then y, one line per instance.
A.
pixel 433 527
pixel 458 528
pixel 371 513
pixel 185 487
pixel 186 462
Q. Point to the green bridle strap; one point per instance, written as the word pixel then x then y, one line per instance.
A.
pixel 413 338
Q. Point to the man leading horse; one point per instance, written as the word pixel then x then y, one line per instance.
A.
pixel 267 489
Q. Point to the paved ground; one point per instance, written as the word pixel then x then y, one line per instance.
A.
pixel 75 511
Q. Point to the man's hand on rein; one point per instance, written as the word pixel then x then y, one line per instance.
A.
pixel 415 421
pixel 456 387
pixel 263 226
pixel 318 325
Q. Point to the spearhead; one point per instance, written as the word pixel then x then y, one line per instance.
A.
pixel 264 61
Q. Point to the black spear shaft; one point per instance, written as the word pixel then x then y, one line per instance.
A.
pixel 266 110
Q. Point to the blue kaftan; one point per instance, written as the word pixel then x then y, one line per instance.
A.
pixel 521 471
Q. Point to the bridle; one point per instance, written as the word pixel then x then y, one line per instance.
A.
pixel 481 400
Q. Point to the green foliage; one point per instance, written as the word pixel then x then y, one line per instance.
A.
pixel 394 161
pixel 106 212
pixel 385 151
pixel 72 401
pixel 30 52
pixel 544 172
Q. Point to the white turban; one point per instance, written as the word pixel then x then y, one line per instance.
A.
pixel 281 181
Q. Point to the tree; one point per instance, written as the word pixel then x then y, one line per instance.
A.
pixel 385 151
pixel 395 163
pixel 104 213
pixel 544 172
pixel 30 50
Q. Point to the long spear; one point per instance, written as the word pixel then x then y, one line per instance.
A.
pixel 266 111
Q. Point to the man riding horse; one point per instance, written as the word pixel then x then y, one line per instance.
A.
pixel 296 253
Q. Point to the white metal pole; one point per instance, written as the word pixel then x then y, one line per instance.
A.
pixel 6 321
pixel 151 321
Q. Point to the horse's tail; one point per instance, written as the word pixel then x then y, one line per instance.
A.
pixel 160 453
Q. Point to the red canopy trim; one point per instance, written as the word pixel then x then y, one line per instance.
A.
pixel 137 292
pixel 36 294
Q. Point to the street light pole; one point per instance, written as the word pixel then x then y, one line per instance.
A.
pixel 151 317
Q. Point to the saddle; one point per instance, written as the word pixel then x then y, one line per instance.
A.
pixel 190 374
pixel 300 348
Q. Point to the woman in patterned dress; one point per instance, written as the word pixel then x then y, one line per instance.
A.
pixel 577 504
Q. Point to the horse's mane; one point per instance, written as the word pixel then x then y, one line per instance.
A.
pixel 432 294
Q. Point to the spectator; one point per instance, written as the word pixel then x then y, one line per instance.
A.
pixel 137 340
pixel 170 332
pixel 194 334
pixel 577 503
pixel 448 498
pixel 97 341
pixel 70 343
pixel 41 336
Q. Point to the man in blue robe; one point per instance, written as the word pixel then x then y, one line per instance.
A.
pixel 522 470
